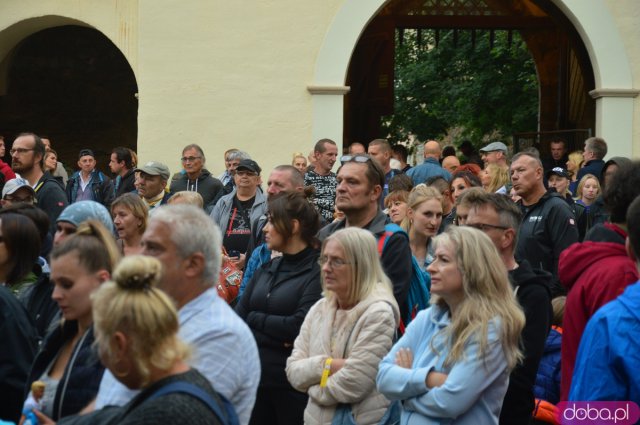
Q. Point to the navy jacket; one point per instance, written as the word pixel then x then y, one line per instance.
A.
pixel 101 186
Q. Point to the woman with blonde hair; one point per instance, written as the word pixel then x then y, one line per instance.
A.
pixel 574 163
pixel 66 362
pixel 424 216
pixel 495 179
pixel 345 334
pixel 300 162
pixel 130 215
pixel 588 190
pixel 452 365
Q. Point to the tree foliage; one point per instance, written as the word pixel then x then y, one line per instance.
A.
pixel 479 88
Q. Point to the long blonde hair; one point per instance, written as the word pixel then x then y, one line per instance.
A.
pixel 361 254
pixel 419 194
pixel 499 177
pixel 132 304
pixel 488 297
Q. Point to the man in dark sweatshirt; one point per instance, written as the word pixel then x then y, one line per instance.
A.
pixel 196 178
pixel 499 218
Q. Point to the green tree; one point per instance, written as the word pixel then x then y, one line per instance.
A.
pixel 479 88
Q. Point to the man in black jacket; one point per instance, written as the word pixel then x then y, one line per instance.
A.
pixel 499 218
pixel 89 184
pixel 548 225
pixel 196 178
pixel 27 159
pixel 360 183
pixel 121 164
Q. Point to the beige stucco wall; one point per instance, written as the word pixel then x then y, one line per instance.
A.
pixel 236 74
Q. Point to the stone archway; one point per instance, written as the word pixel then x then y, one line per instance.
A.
pixel 613 91
pixel 72 84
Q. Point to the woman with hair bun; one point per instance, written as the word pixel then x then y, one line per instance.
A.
pixel 277 299
pixel 66 362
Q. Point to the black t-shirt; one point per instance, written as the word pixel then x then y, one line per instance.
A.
pixel 238 230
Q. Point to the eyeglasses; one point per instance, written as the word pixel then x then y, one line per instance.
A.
pixel 355 158
pixel 334 263
pixel 484 227
pixel 27 199
pixel 243 173
pixel 190 158
pixel 20 151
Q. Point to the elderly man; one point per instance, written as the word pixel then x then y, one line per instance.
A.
pixel 431 165
pixel 499 218
pixel 89 184
pixel 27 155
pixel 548 226
pixel 121 164
pixel 360 181
pixel 450 163
pixel 196 178
pixel 152 184
pixel 595 149
pixel 495 153
pixel 322 178
pixel 187 243
pixel 236 212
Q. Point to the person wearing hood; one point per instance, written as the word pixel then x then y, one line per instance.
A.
pixel 345 334
pixel 609 354
pixel 27 159
pixel 196 178
pixel 598 210
pixel 500 218
pixel 597 270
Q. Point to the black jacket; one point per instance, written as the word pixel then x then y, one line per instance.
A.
pixel 81 378
pixel 126 184
pixel 395 258
pixel 534 296
pixel 274 305
pixel 101 186
pixel 209 187
pixel 592 167
pixel 50 198
pixel 19 342
pixel 36 299
pixel 547 229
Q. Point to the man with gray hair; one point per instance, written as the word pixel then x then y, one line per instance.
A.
pixel 548 224
pixel 595 149
pixel 196 178
pixel 499 218
pixel 431 165
pixel 188 243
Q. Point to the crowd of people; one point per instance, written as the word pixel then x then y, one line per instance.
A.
pixel 472 288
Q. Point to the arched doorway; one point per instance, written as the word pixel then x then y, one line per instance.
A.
pixel 564 71
pixel 613 93
pixel 73 85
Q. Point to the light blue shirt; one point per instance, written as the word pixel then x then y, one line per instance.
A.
pixel 473 391
pixel 429 168
pixel 224 351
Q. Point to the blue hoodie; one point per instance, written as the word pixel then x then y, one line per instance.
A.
pixel 609 354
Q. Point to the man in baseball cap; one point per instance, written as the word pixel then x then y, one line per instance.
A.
pixel 495 153
pixel 17 190
pixel 152 182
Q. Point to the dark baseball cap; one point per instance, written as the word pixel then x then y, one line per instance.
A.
pixel 85 152
pixel 558 171
pixel 249 164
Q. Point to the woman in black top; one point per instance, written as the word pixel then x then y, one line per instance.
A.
pixel 276 301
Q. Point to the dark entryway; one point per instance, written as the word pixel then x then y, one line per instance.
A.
pixel 73 85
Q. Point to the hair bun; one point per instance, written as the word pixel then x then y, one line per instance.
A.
pixel 137 272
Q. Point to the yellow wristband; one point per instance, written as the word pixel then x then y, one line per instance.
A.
pixel 325 372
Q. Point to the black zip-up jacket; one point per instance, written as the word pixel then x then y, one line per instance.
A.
pixel 548 228
pixel 126 184
pixel 209 187
pixel 36 299
pixel 51 198
pixel 274 305
pixel 534 296
pixel 82 375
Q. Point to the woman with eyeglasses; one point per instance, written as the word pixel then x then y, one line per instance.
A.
pixel 452 364
pixel 66 362
pixel 346 333
pixel 277 299
pixel 424 216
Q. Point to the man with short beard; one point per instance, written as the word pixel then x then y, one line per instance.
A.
pixel 27 159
